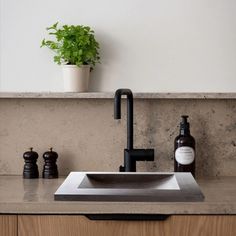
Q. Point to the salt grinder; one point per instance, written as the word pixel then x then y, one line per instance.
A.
pixel 50 167
pixel 30 170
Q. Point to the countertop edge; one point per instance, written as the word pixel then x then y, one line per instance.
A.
pixel 110 95
pixel 128 208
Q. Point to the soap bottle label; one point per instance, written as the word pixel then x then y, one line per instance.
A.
pixel 184 155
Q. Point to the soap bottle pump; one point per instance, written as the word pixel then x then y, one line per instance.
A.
pixel 184 146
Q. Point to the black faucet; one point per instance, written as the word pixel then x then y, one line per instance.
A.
pixel 131 155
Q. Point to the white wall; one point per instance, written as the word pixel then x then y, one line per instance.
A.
pixel 154 45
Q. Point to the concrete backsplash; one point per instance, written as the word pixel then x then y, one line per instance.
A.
pixel 86 136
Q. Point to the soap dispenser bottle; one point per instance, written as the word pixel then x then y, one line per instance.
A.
pixel 184 146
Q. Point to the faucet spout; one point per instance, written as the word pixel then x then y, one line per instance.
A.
pixel 117 113
pixel 131 155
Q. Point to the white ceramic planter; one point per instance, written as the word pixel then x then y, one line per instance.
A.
pixel 76 79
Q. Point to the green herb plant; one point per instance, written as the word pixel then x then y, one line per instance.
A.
pixel 74 45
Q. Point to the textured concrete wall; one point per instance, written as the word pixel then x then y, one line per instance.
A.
pixel 87 137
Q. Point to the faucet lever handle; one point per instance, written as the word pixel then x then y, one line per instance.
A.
pixel 140 154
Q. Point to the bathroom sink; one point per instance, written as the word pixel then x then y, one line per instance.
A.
pixel 130 187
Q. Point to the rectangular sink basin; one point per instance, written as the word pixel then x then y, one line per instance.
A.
pixel 130 187
pixel 124 181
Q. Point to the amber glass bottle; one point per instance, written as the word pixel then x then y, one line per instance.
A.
pixel 184 160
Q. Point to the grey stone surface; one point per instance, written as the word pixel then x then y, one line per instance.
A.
pixel 109 95
pixel 127 187
pixel 87 138
pixel 35 196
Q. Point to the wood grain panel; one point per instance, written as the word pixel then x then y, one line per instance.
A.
pixel 8 225
pixel 81 226
pixel 202 225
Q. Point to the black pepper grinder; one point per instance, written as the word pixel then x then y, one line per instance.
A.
pixel 50 167
pixel 30 168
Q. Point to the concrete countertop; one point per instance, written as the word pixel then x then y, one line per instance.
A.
pixel 35 196
pixel 110 95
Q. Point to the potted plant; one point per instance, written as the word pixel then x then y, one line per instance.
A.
pixel 77 50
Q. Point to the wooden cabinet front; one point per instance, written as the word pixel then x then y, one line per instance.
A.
pixel 8 225
pixel 63 225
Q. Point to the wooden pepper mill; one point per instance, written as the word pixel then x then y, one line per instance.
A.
pixel 50 167
pixel 30 170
